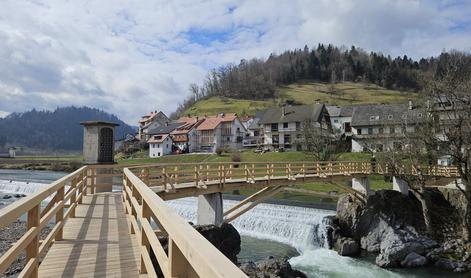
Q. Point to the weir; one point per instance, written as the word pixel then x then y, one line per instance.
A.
pixel 90 228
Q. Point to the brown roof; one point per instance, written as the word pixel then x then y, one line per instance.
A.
pixel 185 128
pixel 148 117
pixel 157 138
pixel 245 118
pixel 212 122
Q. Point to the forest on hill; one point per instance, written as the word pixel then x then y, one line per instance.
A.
pixel 259 79
pixel 53 130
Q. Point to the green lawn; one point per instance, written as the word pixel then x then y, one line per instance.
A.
pixel 304 93
pixel 247 156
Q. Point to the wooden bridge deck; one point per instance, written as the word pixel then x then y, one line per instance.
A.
pixel 96 243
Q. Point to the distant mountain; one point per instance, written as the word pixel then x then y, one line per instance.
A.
pixel 54 130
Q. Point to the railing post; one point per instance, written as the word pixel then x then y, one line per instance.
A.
pixel 92 180
pixel 178 265
pixel 144 240
pixel 246 173
pixel 164 173
pixel 32 250
pixel 73 198
pixel 83 180
pixel 60 212
pixel 196 178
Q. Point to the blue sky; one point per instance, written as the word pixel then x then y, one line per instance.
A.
pixel 130 57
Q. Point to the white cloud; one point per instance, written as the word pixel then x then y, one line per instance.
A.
pixel 132 57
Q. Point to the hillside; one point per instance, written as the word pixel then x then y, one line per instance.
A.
pixel 304 93
pixel 53 130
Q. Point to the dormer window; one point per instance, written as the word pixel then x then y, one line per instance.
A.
pixel 374 118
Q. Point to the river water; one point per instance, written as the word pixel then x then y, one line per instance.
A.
pixel 267 229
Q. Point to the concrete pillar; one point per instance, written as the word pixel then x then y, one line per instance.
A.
pixel 210 210
pixel 362 185
pixel 400 185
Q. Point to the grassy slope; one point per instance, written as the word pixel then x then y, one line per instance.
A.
pixel 305 93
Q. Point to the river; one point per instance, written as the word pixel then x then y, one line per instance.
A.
pixel 267 229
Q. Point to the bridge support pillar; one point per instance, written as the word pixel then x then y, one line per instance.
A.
pixel 210 210
pixel 362 185
pixel 400 185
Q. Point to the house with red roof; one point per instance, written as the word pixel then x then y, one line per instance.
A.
pixel 224 130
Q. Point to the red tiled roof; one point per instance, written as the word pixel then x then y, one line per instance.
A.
pixel 212 122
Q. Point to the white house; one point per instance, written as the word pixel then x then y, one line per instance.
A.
pixel 160 145
pixel 341 119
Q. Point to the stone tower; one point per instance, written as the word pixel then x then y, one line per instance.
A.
pixel 98 149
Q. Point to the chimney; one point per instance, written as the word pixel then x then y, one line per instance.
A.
pixel 197 118
pixel 410 105
pixel 166 123
pixel 283 111
pixel 221 115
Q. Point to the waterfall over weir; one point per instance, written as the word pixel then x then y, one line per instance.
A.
pixel 20 187
pixel 302 228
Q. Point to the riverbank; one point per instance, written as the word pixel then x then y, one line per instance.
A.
pixel 10 235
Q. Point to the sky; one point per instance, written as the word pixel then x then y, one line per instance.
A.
pixel 132 57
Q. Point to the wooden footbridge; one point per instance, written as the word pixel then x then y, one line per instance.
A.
pixel 118 234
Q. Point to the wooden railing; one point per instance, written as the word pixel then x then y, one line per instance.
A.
pixel 189 254
pixel 200 174
pixel 61 206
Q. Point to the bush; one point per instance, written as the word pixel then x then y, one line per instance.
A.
pixel 219 151
pixel 236 157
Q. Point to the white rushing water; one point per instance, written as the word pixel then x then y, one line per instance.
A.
pixel 299 227
pixel 20 187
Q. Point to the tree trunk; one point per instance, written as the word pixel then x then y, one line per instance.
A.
pixel 466 221
pixel 425 203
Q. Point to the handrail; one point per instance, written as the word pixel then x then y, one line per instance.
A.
pixel 37 220
pixel 188 251
pixel 169 175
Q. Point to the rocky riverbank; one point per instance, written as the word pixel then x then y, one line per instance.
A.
pixel 391 226
pixel 8 236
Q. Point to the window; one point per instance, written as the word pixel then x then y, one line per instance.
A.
pixel 275 139
pixel 392 130
pixel 359 131
pixel 285 125
pixel 287 138
pixel 374 118
pixel 336 121
pixel 158 154
pixel 167 146
pixel 256 133
pixel 158 145
pixel 298 125
pixel 380 130
pixel 274 127
pixel 370 130
pixel 228 139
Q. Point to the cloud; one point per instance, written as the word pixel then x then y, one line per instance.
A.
pixel 132 57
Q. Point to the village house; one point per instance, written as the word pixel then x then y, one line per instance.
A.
pixel 282 126
pixel 151 121
pixel 384 127
pixel 160 142
pixel 341 119
pixel 254 136
pixel 160 145
pixel 221 131
pixel 184 136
